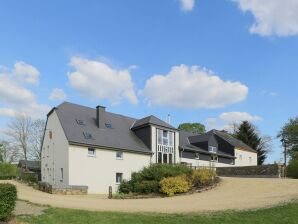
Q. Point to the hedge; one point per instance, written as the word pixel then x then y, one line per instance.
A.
pixel 202 177
pixel 29 177
pixel 8 196
pixel 8 171
pixel 292 169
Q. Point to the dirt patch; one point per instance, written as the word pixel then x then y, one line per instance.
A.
pixel 26 208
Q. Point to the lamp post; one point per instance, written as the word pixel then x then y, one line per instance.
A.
pixel 285 156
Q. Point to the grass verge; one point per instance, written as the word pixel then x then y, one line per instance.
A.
pixel 287 213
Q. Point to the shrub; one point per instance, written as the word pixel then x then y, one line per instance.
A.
pixel 146 187
pixel 29 177
pixel 147 180
pixel 292 169
pixel 125 187
pixel 8 196
pixel 173 185
pixel 202 177
pixel 8 171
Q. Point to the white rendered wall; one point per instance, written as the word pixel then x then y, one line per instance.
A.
pixel 245 158
pixel 99 172
pixel 54 153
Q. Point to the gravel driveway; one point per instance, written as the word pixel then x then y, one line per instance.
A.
pixel 232 193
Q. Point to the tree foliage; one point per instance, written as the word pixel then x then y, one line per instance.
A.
pixel 289 133
pixel 247 133
pixel 193 128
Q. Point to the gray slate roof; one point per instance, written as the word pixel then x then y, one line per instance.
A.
pixel 233 141
pixel 119 136
pixel 151 120
pixel 32 165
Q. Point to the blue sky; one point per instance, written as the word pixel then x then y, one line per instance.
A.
pixel 216 62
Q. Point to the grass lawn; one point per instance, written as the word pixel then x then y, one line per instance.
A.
pixel 287 213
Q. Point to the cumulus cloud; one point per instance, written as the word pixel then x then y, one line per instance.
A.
pixel 97 80
pixel 25 73
pixel 187 5
pixel 272 17
pixel 227 120
pixel 15 98
pixel 57 94
pixel 192 87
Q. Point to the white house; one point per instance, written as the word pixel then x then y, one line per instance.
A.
pixel 95 148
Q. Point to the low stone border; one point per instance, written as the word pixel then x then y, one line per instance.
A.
pixel 64 190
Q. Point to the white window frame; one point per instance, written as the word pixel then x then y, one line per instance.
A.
pixel 197 155
pixel 212 149
pixel 92 155
pixel 121 157
pixel 62 175
pixel 167 140
pixel 121 177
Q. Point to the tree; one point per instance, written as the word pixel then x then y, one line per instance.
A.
pixel 36 136
pixel 19 130
pixel 8 152
pixel 289 133
pixel 248 134
pixel 193 128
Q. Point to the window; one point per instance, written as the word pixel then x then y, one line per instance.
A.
pixel 80 122
pixel 214 158
pixel 212 149
pixel 197 155
pixel 50 134
pixel 250 160
pixel 165 158
pixel 119 155
pixel 87 135
pixel 159 155
pixel 165 137
pixel 108 125
pixel 240 157
pixel 119 178
pixel 91 152
pixel 61 175
pixel 170 158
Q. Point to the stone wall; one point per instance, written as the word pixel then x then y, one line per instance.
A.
pixel 265 171
pixel 65 190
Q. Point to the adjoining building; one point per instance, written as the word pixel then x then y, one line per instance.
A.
pixel 91 147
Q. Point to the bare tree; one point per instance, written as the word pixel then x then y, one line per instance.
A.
pixel 20 130
pixel 8 152
pixel 36 136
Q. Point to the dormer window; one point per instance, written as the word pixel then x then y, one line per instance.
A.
pixel 212 149
pixel 165 137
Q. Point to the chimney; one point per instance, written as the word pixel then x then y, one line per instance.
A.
pixel 100 116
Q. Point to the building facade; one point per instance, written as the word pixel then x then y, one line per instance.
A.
pixel 90 147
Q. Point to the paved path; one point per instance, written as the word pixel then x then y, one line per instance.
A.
pixel 232 193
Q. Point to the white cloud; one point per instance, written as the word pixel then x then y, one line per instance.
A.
pixel 57 94
pixel 25 73
pixel 272 17
pixel 187 5
pixel 227 120
pixel 14 97
pixel 98 80
pixel 192 87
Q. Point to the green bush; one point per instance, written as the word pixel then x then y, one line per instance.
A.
pixel 8 171
pixel 147 180
pixel 292 169
pixel 29 177
pixel 146 187
pixel 8 196
pixel 202 177
pixel 174 185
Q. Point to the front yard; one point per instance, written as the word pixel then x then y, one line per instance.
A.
pixel 287 213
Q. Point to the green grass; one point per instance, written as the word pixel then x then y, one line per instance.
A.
pixel 282 214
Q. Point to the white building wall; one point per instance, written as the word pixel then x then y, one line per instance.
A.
pixel 245 158
pixel 54 153
pixel 99 172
